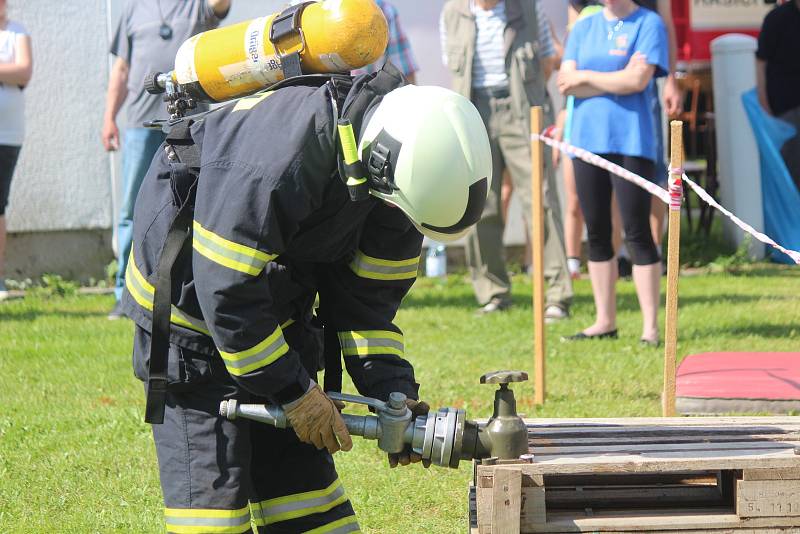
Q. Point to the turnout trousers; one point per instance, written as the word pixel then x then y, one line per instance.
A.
pixel 221 476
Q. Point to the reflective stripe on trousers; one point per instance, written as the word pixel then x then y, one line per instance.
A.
pixel 341 526
pixel 197 521
pixel 299 505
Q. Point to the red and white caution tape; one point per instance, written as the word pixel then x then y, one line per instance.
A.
pixel 672 197
pixel 603 163
pixel 767 240
pixel 676 190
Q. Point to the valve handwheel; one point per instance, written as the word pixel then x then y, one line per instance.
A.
pixel 151 84
pixel 504 377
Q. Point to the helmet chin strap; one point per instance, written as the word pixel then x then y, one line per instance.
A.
pixel 384 152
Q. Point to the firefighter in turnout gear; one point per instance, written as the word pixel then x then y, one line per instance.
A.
pixel 317 190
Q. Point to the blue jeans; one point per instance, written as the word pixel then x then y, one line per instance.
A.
pixel 661 170
pixel 139 145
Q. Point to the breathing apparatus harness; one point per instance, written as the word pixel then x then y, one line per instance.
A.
pixel 184 158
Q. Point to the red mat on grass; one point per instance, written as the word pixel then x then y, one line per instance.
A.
pixel 720 382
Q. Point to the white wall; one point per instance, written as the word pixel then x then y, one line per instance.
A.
pixel 62 182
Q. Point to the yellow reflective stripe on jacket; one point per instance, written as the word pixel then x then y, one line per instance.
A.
pixel 377 269
pixel 191 521
pixel 299 504
pixel 263 354
pixel 227 253
pixel 248 103
pixel 367 342
pixel 143 293
pixel 344 525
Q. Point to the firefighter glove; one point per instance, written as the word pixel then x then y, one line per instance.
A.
pixel 316 420
pixel 408 456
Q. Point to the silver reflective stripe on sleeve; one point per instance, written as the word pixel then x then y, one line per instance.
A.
pixel 143 293
pixel 261 355
pixel 368 342
pixel 228 253
pixel 378 269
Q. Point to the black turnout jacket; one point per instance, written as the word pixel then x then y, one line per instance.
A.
pixel 273 232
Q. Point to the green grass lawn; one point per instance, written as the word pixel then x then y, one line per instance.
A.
pixel 75 455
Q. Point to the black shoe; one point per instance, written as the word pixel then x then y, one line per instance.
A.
pixel 116 313
pixel 497 304
pixel 580 336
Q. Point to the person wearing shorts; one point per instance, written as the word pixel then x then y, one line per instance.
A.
pixel 16 66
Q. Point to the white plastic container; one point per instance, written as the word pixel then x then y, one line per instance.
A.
pixel 436 261
pixel 734 73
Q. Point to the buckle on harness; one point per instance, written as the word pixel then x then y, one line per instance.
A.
pixel 287 24
pixel 156 400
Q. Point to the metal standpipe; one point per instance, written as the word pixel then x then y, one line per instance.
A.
pixel 444 437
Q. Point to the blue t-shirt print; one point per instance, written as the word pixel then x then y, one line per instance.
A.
pixel 617 124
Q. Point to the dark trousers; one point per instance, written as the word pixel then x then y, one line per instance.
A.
pixel 595 187
pixel 8 162
pixel 791 149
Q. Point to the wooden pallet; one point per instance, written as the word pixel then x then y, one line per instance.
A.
pixel 680 475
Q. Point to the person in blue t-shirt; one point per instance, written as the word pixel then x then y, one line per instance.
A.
pixel 611 60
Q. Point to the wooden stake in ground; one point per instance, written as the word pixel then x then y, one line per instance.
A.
pixel 673 265
pixel 537 244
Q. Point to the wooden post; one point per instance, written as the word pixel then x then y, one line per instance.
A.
pixel 673 265
pixel 537 245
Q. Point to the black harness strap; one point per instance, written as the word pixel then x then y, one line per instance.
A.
pixel 332 352
pixel 332 355
pixel 385 80
pixel 184 176
pixel 162 309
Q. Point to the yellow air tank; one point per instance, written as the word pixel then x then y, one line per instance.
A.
pixel 334 36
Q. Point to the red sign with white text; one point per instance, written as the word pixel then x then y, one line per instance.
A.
pixel 698 22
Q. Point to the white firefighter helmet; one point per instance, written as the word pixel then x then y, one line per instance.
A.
pixel 427 152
